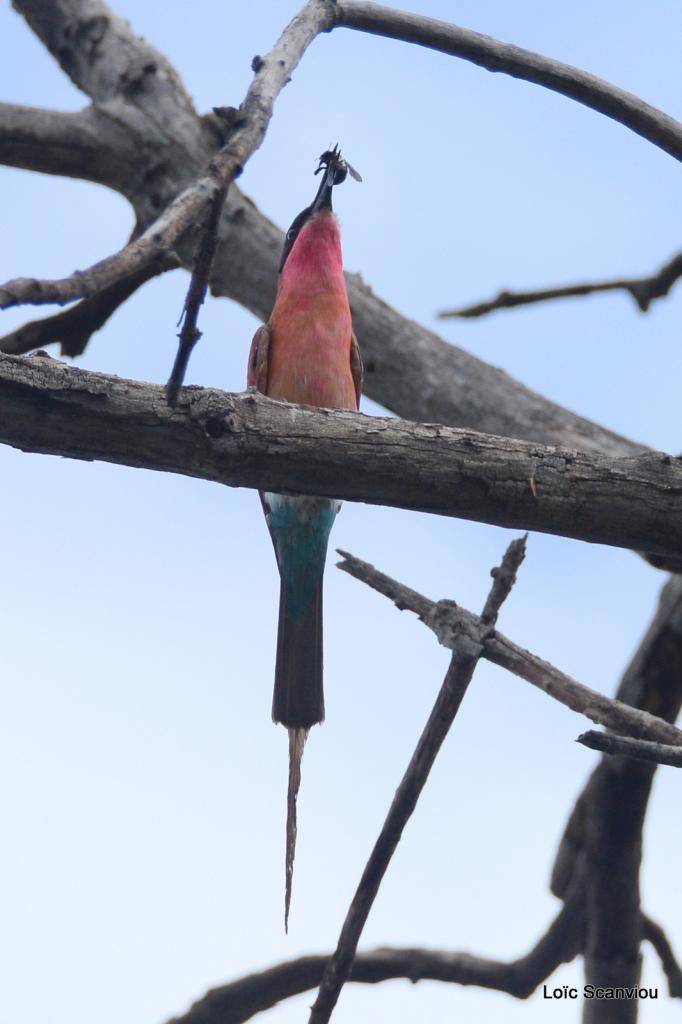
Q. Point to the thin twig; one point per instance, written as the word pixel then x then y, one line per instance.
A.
pixel 652 124
pixel 642 289
pixel 462 665
pixel 190 333
pixel 504 578
pixel 449 621
pixel 643 750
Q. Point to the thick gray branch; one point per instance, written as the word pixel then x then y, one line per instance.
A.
pixel 85 144
pixel 102 56
pixel 248 440
pixel 449 621
pixel 613 853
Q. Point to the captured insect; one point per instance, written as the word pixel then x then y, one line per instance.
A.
pixel 332 157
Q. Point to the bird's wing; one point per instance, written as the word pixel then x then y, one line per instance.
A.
pixel 356 366
pixel 257 373
pixel 257 377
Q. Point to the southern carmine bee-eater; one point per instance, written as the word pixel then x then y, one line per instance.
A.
pixel 306 353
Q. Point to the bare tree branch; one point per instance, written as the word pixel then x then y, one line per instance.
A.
pixel 449 621
pixel 241 1000
pixel 465 657
pixel 249 440
pixel 643 750
pixel 153 246
pixel 652 124
pixel 73 329
pixel 642 289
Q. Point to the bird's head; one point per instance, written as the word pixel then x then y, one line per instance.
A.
pixel 334 171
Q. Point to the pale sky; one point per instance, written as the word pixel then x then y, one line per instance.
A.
pixel 143 783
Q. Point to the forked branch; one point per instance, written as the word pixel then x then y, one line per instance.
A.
pixel 449 621
pixel 465 657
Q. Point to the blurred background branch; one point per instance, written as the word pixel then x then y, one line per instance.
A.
pixel 644 290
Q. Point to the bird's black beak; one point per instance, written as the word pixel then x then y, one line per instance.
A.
pixel 334 172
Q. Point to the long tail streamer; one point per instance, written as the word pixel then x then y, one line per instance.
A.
pixel 297 738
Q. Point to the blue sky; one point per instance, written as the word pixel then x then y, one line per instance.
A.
pixel 143 783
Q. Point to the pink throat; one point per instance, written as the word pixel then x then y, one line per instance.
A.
pixel 316 259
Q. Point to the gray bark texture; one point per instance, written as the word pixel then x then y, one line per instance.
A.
pixel 248 440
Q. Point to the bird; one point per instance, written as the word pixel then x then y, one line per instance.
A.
pixel 306 353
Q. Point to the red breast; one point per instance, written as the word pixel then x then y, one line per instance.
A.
pixel 310 341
